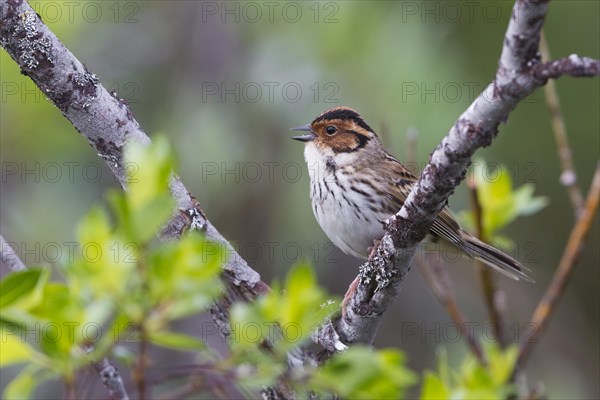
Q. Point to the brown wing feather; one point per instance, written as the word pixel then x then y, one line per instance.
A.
pixel 446 227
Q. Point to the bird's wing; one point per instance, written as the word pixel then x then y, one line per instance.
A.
pixel 446 227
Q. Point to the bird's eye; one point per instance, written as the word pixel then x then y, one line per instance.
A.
pixel 331 130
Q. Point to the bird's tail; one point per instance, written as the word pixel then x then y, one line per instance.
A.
pixel 493 257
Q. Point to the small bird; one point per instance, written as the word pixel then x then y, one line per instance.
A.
pixel 355 185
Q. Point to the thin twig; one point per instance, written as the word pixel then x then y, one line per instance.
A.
pixel 549 302
pixel 573 65
pixel 568 177
pixel 140 366
pixel 490 292
pixel 439 282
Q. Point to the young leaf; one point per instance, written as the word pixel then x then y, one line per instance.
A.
pixel 526 203
pixel 14 349
pixel 501 363
pixel 23 288
pixel 183 276
pixel 500 203
pixel 472 380
pixel 149 203
pixel 433 388
pixel 361 372
pixel 296 310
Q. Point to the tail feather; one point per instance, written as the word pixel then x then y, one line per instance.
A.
pixel 494 258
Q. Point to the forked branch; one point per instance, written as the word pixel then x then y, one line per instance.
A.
pixel 519 73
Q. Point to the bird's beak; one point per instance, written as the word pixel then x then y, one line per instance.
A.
pixel 304 138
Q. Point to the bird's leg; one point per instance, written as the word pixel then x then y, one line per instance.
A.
pixel 371 250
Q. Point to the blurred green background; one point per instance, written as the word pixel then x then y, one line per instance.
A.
pixel 225 81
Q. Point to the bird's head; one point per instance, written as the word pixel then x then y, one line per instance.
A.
pixel 337 131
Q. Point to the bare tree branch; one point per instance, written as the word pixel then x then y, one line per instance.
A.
pixel 573 249
pixel 8 257
pixel 107 123
pixel 572 66
pixel 519 73
pixel 568 177
pixel 110 377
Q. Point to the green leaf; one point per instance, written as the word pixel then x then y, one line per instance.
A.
pixel 104 266
pixel 361 372
pixel 526 203
pixel 495 199
pixel 433 388
pixel 94 228
pixel 443 366
pixel 120 208
pixel 303 302
pixel 472 380
pixel 121 329
pixel 501 363
pixel 184 276
pixel 61 316
pixel 474 375
pixel 148 170
pixel 149 217
pixel 249 327
pixel 13 349
pixel 176 341
pixel 149 203
pixel 297 309
pixel 499 202
pixel 23 288
pixel 104 269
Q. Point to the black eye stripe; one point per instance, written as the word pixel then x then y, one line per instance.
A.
pixel 362 139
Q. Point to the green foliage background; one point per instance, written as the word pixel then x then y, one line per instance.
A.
pixel 161 57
